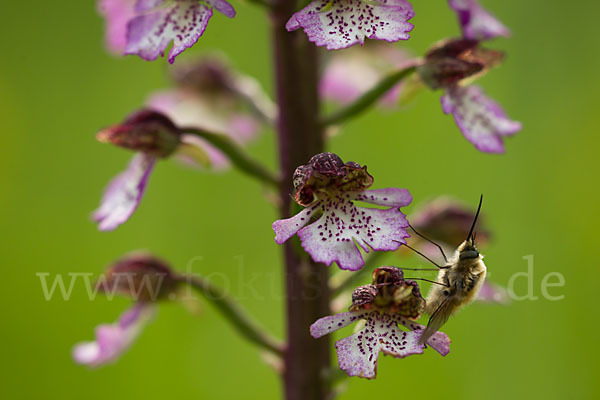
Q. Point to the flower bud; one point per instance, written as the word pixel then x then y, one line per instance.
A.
pixel 210 74
pixel 139 276
pixel 452 61
pixel 146 131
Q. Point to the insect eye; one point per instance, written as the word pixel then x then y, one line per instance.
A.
pixel 469 254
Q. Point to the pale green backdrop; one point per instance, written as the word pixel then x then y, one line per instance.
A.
pixel 58 87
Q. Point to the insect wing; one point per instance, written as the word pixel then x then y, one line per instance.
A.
pixel 437 319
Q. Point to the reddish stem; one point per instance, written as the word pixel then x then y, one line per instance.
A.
pixel 300 137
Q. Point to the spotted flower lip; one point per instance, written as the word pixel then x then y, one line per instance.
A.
pixel 147 27
pixel 112 340
pixel 481 120
pixel 331 226
pixel 477 23
pixel 338 24
pixel 124 193
pixel 385 304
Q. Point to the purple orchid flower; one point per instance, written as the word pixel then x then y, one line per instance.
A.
pixel 351 73
pixel 481 120
pixel 153 136
pixel 147 27
pixel 331 226
pixel 142 277
pixel 386 304
pixel 338 24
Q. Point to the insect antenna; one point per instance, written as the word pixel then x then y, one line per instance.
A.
pixel 475 220
pixel 427 280
pixel 423 255
pixel 430 241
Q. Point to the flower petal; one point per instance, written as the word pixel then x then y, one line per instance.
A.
pixel 439 341
pixel 351 73
pixel 183 22
pixel 124 193
pixel 338 24
pixel 481 120
pixel 113 340
pixel 116 14
pixel 390 197
pixel 146 5
pixel 332 323
pixel 188 108
pixel 222 6
pixel 476 22
pixel 358 354
pixel 286 228
pixel 332 237
pixel 198 153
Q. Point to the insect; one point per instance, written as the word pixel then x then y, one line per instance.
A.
pixel 459 281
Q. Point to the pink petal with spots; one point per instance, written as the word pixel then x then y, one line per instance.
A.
pixel 124 193
pixel 113 340
pixel 334 237
pixel 358 354
pixel 389 197
pixel 332 323
pixel 476 22
pixel 481 120
pixel 338 24
pixel 116 14
pixel 286 228
pixel 439 341
pixel 182 22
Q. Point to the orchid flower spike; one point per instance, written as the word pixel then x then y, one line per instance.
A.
pixel 331 226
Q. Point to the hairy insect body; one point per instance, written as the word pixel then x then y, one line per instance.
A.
pixel 460 281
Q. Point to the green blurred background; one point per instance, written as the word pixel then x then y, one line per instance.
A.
pixel 58 87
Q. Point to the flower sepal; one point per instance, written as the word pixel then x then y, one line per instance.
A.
pixel 453 61
pixel 140 276
pixel 146 131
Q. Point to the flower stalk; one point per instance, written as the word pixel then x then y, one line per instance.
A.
pixel 238 156
pixel 300 137
pixel 369 98
pixel 231 310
